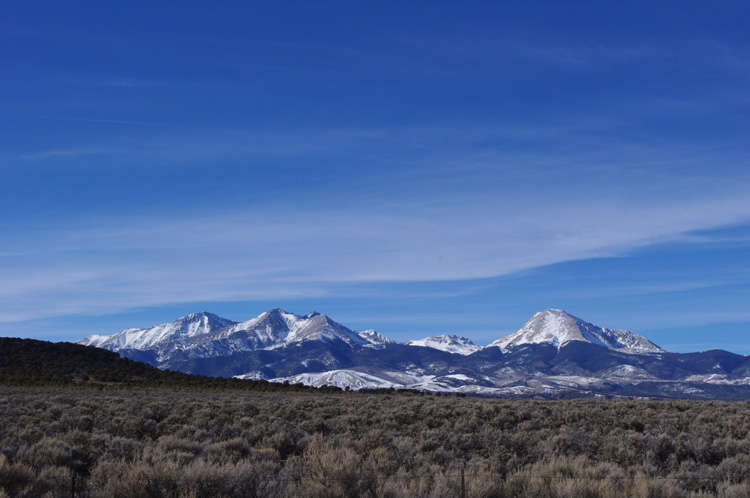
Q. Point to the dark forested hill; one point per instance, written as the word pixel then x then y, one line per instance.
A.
pixel 33 363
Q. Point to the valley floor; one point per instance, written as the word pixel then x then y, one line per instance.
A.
pixel 191 443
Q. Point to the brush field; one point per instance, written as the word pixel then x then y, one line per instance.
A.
pixel 174 442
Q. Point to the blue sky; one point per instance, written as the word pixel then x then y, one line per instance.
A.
pixel 415 167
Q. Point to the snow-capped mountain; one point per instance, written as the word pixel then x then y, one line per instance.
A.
pixel 375 338
pixel 448 343
pixel 277 328
pixel 204 335
pixel 558 328
pixel 188 326
pixel 554 354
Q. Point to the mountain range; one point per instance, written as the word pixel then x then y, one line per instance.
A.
pixel 554 354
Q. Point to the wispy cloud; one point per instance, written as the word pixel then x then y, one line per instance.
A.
pixel 56 153
pixel 101 120
pixel 449 203
pixel 114 264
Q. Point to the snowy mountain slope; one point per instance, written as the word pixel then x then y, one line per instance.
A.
pixel 449 343
pixel 339 378
pixel 558 328
pixel 277 328
pixel 209 334
pixel 357 380
pixel 319 327
pixel 375 338
pixel 267 330
pixel 183 328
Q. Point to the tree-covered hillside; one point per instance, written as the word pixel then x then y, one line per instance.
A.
pixel 28 362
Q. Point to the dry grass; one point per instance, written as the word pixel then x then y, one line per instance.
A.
pixel 173 443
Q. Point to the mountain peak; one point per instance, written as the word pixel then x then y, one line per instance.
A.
pixel 188 326
pixel 557 328
pixel 197 317
pixel 277 328
pixel 448 343
pixel 275 311
pixel 554 312
pixel 376 338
